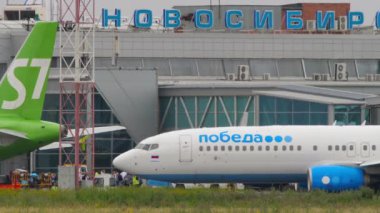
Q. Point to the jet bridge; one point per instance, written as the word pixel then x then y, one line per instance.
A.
pixel 133 96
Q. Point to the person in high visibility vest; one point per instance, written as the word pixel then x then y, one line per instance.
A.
pixel 82 142
pixel 135 181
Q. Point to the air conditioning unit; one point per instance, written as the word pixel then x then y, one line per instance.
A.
pixel 342 23
pixel 369 77
pixel 243 73
pixel 341 73
pixel 266 76
pixel 325 77
pixel 310 25
pixel 317 77
pixel 231 77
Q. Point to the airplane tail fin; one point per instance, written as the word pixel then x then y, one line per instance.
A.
pixel 23 86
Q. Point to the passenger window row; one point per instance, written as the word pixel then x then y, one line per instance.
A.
pixel 249 148
pixel 348 148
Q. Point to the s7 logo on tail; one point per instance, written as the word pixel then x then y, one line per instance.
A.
pixel 14 82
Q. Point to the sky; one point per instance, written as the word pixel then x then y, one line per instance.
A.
pixel 369 7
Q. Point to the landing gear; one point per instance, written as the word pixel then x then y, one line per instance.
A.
pixel 231 186
pixel 214 186
pixel 180 186
pixel 263 187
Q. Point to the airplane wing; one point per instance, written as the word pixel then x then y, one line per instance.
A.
pixel 340 163
pixel 97 130
pixel 88 131
pixel 13 133
pixel 54 145
pixel 352 163
pixel 370 163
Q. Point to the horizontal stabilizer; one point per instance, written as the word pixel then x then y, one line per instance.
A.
pixel 97 130
pixel 13 133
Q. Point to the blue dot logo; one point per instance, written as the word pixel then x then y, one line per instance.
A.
pixel 269 139
pixel 288 139
pixel 278 139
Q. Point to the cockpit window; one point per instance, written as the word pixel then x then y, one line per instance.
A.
pixel 154 146
pixel 143 146
pixel 139 146
pixel 146 147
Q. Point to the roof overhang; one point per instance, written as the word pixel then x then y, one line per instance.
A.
pixel 310 97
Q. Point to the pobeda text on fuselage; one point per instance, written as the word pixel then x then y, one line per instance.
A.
pixel 226 137
pixel 204 19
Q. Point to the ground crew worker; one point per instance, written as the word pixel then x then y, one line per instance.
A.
pixel 135 181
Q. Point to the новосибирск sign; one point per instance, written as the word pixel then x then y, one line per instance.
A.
pixel 204 19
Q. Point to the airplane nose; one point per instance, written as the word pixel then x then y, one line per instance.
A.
pixel 118 162
pixel 123 162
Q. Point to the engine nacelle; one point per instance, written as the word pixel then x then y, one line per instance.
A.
pixel 335 178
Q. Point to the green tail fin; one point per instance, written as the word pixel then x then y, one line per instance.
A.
pixel 23 86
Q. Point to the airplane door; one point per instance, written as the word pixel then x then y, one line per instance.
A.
pixel 185 148
pixel 351 150
pixel 364 150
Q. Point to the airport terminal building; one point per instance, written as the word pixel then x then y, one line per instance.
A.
pixel 154 81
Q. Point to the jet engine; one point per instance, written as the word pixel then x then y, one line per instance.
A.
pixel 335 178
pixel 64 131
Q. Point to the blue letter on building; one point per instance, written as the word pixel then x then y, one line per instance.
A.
pixel 355 18
pixel 293 22
pixel 172 18
pixel 327 20
pixel 201 24
pixel 106 18
pixel 238 24
pixel 146 21
pixel 265 19
pixel 378 20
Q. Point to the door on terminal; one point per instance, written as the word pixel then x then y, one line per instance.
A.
pixel 185 148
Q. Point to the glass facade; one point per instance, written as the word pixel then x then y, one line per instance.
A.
pixel 181 112
pixel 368 67
pixel 279 111
pixel 205 111
pixel 107 145
pixel 319 66
pixel 277 68
pixel 347 114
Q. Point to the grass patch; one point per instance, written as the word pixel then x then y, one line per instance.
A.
pixel 179 200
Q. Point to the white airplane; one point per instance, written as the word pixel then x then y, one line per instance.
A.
pixel 332 158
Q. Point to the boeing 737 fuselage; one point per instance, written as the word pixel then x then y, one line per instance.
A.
pixel 331 158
